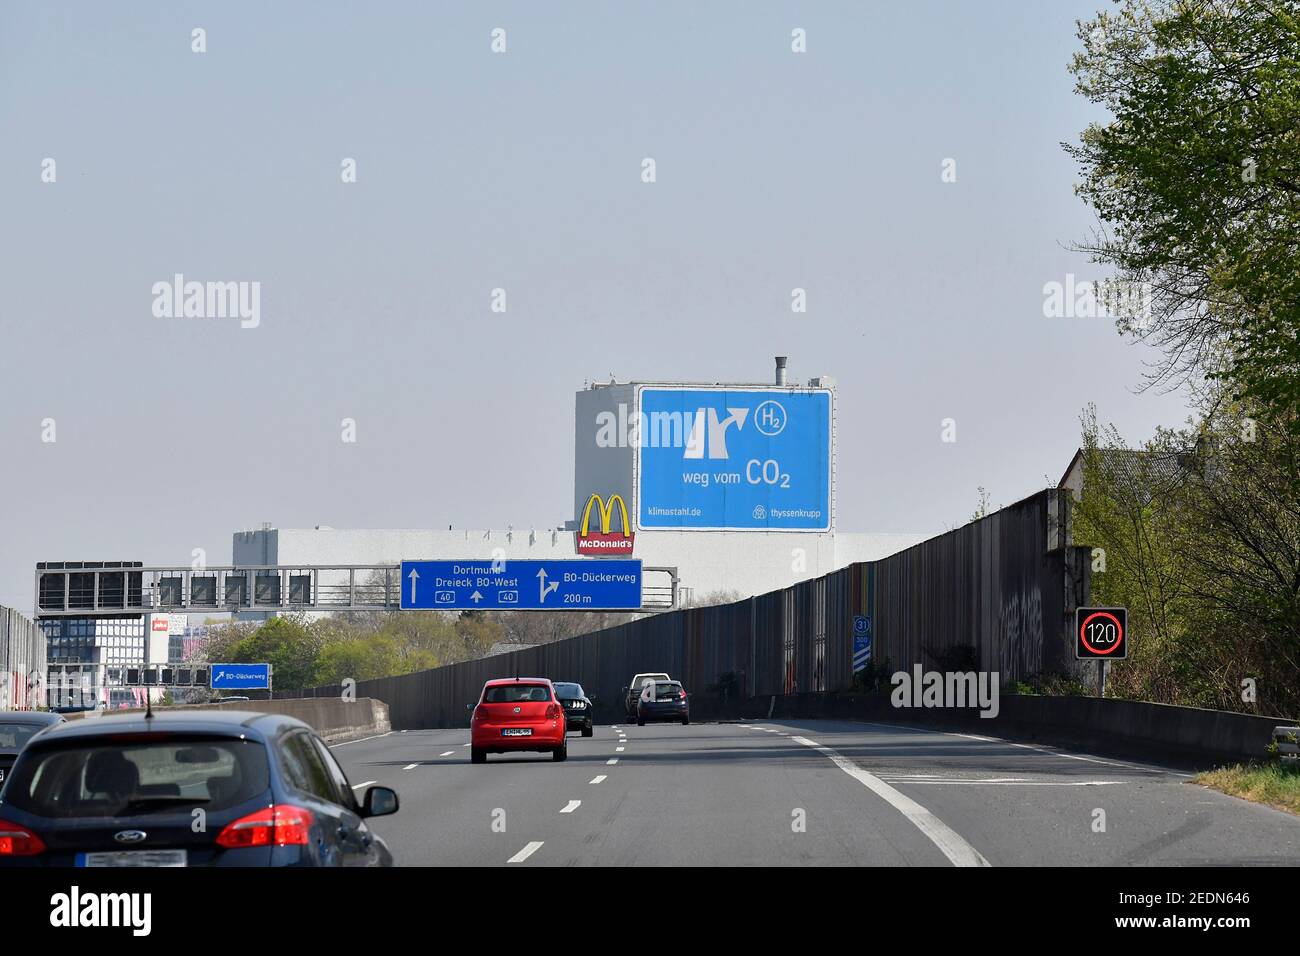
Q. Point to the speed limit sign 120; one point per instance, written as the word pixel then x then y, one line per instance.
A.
pixel 1101 633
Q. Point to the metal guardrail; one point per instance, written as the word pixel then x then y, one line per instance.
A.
pixel 102 591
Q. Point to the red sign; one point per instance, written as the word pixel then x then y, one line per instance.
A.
pixel 604 541
pixel 601 543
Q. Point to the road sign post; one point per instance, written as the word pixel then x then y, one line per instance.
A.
pixel 563 584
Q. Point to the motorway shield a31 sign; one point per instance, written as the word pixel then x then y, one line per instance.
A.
pixel 1101 633
pixel 574 584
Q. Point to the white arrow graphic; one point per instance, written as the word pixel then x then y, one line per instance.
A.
pixel 476 597
pixel 414 576
pixel 545 588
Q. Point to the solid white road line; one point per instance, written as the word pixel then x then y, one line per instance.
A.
pixel 597 779
pixel 571 806
pixel 410 766
pixel 526 852
pixel 949 842
pixel 611 762
pixel 1015 783
pixel 359 740
pixel 447 754
pixel 358 786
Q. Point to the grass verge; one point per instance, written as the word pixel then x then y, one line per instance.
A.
pixel 1276 783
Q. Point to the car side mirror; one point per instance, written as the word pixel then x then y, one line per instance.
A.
pixel 626 689
pixel 379 802
pixel 593 701
pixel 469 706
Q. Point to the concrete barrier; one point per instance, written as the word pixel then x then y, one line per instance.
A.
pixel 333 718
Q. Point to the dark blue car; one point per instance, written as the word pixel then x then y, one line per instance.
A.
pixel 185 788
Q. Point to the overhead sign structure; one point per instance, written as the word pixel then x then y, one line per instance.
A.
pixel 1101 633
pixel 733 459
pixel 572 584
pixel 861 642
pixel 240 676
pixel 602 541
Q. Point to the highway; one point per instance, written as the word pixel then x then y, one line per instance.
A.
pixel 791 793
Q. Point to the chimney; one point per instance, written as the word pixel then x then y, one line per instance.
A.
pixel 780 369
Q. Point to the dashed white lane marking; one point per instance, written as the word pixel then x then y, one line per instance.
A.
pixel 618 750
pixel 358 786
pixel 358 740
pixel 410 766
pixel 403 731
pixel 447 754
pixel 571 806
pixel 611 761
pixel 526 852
pixel 597 779
pixel 948 840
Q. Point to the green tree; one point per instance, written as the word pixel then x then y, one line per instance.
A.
pixel 1195 176
pixel 288 644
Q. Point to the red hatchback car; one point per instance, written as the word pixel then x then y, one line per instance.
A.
pixel 522 713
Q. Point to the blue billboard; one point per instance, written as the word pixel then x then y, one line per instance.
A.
pixel 744 459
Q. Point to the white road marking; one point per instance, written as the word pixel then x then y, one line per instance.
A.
pixel 1015 783
pixel 611 762
pixel 618 750
pixel 403 731
pixel 410 766
pixel 597 779
pixel 358 786
pixel 1041 750
pixel 447 754
pixel 526 852
pixel 571 806
pixel 948 840
pixel 464 745
pixel 358 740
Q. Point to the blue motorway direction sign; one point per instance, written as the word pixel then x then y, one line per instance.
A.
pixel 241 676
pixel 749 459
pixel 531 585
pixel 861 642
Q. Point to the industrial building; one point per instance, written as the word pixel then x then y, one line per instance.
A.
pixel 732 485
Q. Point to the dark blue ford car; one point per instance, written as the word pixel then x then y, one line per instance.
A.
pixel 184 788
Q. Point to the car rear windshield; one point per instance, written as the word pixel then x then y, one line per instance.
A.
pixel 569 690
pixel 123 778
pixel 516 693
pixel 15 736
pixel 667 691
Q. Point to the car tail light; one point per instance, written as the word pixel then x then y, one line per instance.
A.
pixel 480 713
pixel 281 824
pixel 552 711
pixel 19 841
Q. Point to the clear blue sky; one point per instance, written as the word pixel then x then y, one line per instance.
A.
pixel 478 170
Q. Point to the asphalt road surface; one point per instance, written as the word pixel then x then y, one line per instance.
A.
pixel 801 793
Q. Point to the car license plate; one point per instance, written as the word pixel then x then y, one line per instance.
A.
pixel 517 732
pixel 134 858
